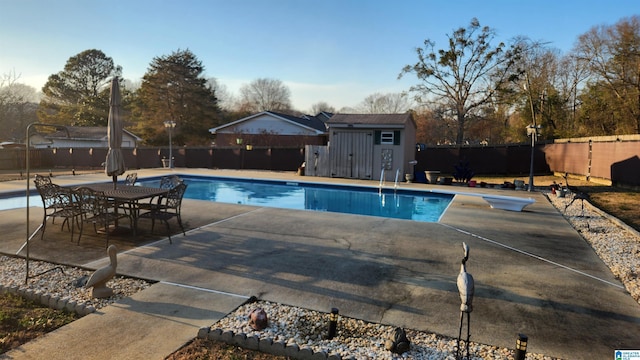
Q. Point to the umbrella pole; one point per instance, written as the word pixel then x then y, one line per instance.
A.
pixel 115 181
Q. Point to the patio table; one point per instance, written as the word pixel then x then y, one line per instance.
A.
pixel 129 196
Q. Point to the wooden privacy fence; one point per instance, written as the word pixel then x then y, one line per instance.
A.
pixel 317 161
pixel 275 159
pixel 615 159
pixel 487 160
pixel 611 158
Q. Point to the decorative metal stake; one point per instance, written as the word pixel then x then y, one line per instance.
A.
pixel 466 288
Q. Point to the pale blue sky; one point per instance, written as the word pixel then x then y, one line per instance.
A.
pixel 337 51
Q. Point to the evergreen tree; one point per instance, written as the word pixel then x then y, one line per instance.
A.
pixel 174 89
pixel 79 95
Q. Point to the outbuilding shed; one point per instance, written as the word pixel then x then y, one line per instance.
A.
pixel 367 146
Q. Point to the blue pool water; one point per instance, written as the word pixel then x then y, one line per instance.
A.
pixel 16 201
pixel 401 204
pixel 409 205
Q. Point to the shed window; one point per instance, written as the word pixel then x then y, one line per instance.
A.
pixel 387 137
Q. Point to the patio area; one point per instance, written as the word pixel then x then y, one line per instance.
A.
pixel 395 272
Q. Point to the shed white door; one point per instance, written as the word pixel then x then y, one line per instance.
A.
pixel 352 154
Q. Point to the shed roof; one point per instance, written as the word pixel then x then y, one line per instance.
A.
pixel 370 119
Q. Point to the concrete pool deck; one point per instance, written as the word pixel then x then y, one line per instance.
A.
pixel 534 274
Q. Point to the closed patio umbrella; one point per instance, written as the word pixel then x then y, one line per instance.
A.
pixel 114 164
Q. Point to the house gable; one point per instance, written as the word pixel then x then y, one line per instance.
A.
pixel 272 123
pixel 269 128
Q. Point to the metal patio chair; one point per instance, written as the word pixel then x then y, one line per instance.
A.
pixel 58 202
pixel 170 181
pixel 166 182
pixel 131 179
pixel 95 208
pixel 41 180
pixel 167 208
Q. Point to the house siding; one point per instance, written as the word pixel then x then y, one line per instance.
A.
pixel 268 140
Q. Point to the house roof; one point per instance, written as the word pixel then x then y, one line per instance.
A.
pixel 86 133
pixel 324 116
pixel 369 120
pixel 311 122
pixel 314 122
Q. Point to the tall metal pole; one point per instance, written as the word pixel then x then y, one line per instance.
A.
pixel 533 148
pixel 26 277
pixel 27 165
pixel 532 132
pixel 170 149
pixel 170 125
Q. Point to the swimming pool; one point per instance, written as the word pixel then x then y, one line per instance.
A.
pixel 17 201
pixel 400 204
pixel 359 200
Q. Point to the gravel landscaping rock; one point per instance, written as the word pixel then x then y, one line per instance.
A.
pixel 59 286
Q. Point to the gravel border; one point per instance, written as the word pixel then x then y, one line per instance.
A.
pixel 301 334
pixel 616 243
pixel 56 286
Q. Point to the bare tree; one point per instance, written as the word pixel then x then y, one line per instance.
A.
pixel 466 74
pixel 226 100
pixel 348 110
pixel 391 103
pixel 574 72
pixel 18 104
pixel 265 95
pixel 536 96
pixel 613 56
pixel 320 107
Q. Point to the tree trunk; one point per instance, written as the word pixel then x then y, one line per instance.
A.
pixel 460 136
pixel 638 114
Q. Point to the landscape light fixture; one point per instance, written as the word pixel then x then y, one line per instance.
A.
pixel 170 125
pixel 333 323
pixel 521 347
